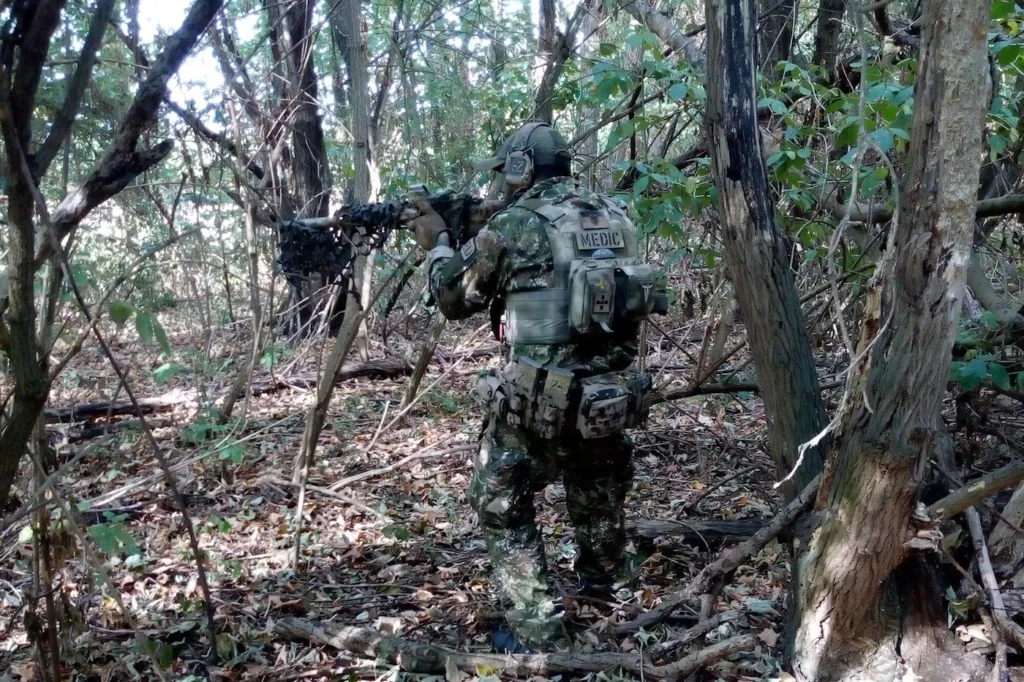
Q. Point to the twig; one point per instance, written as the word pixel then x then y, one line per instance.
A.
pixel 412 403
pixel 710 489
pixel 699 630
pixel 988 579
pixel 58 250
pixel 327 492
pixel 346 482
pixel 421 657
pixel 674 343
pixel 727 562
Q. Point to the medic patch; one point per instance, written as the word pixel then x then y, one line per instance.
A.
pixel 468 249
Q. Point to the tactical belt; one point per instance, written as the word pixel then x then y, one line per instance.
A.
pixel 552 402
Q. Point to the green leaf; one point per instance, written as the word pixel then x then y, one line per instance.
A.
pixel 397 532
pixel 774 105
pixel 848 136
pixel 971 374
pixel 1001 9
pixel 641 184
pixel 120 312
pixel 1020 381
pixel 989 319
pixel 144 325
pixel 883 138
pixel 677 91
pixel 161 338
pixel 999 376
pixel 235 452
pixel 166 372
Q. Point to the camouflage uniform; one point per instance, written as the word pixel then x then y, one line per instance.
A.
pixel 513 253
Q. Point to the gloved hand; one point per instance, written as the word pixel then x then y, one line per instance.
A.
pixel 429 226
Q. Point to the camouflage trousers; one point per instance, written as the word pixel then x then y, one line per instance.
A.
pixel 511 466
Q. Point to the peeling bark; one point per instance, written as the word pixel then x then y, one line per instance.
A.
pixel 757 256
pixel 848 618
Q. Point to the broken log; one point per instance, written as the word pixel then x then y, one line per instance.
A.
pixel 421 657
pixel 77 413
pixel 696 531
pixel 371 369
pixel 974 492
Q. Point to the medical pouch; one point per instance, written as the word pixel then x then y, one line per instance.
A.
pixel 591 296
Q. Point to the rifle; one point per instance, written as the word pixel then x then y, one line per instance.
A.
pixel 328 246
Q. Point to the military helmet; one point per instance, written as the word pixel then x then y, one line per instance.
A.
pixel 544 145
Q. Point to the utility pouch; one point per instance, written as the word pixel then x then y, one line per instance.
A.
pixel 525 377
pixel 491 391
pixel 591 295
pixel 612 402
pixel 634 291
pixel 552 403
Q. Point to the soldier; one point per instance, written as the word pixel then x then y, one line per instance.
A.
pixel 558 270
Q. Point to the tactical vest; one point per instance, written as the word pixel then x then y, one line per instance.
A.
pixel 600 286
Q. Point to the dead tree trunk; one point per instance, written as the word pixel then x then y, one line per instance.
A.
pixel 757 257
pixel 865 606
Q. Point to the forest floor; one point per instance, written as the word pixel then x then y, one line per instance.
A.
pixel 389 539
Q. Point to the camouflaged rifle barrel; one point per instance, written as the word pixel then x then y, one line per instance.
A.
pixel 328 245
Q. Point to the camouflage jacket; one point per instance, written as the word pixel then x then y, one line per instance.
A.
pixel 512 253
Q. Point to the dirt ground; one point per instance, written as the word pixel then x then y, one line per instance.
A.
pixel 389 540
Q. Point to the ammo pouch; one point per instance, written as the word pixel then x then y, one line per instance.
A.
pixel 535 398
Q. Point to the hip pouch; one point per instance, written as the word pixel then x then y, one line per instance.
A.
pixel 612 402
pixel 550 402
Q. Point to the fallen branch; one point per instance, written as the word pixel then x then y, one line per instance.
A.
pixel 727 562
pixel 105 408
pixel 699 630
pixel 418 657
pixel 346 482
pixel 974 492
pixel 373 369
pixel 326 492
pixel 988 579
pixel 697 531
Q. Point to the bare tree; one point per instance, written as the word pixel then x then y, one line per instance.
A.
pixel 23 51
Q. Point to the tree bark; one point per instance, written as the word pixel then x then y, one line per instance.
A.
pixel 826 38
pixel 755 248
pixel 294 44
pixel 845 625
pixel 776 32
pixel 546 45
pixel 346 24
